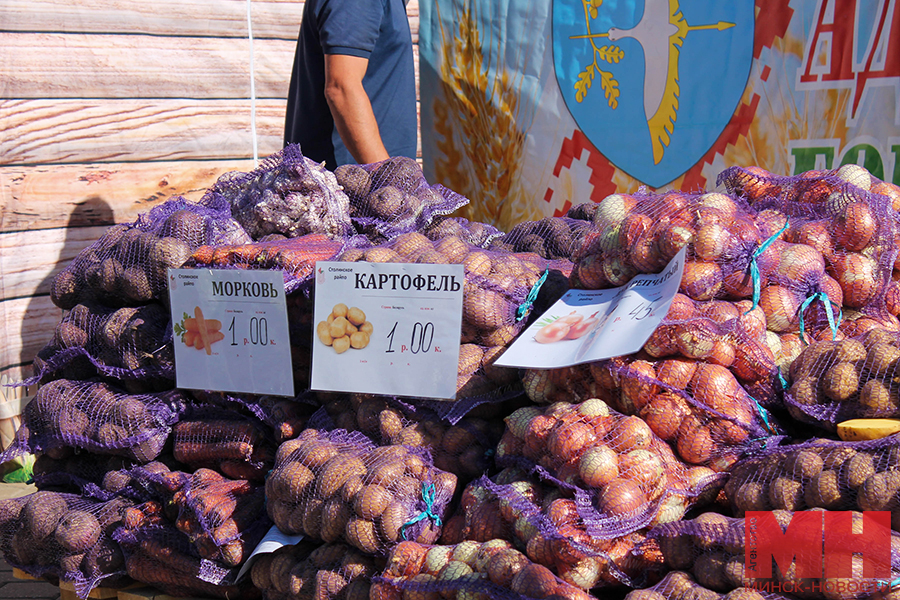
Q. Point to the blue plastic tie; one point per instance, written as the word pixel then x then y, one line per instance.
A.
pixel 782 381
pixel 523 309
pixel 754 266
pixel 428 494
pixel 764 414
pixel 823 296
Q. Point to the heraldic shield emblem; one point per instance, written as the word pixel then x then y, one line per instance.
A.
pixel 652 83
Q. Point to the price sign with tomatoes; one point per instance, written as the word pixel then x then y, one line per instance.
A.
pixel 231 331
pixel 590 325
pixel 387 328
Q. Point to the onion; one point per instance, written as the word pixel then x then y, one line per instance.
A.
pixel 636 391
pixel 754 361
pixel 694 441
pixel 738 284
pixel 676 372
pixel 752 321
pixel 799 262
pixel 701 280
pixel 892 298
pixel 517 422
pixel 641 466
pixel 612 210
pixel 855 226
pixel 634 228
pixel 711 241
pixel 723 353
pixel 630 433
pixel 721 202
pixel 673 239
pixel 856 175
pixel 754 183
pixel 645 256
pixel 682 308
pixel 695 339
pixel 534 580
pixel 719 311
pixel 622 497
pixel 567 441
pixel 816 234
pixel 504 565
pixel 856 275
pixel 406 559
pixel 585 575
pixel 714 386
pixel 664 414
pixel 538 432
pixel 598 466
pixel 780 305
pixel 890 190
pixel 593 408
pixel 588 273
pixel 769 222
pixel 616 270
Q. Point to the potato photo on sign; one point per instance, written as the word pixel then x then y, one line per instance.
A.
pixel 344 328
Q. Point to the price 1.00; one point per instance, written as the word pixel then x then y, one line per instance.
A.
pixel 258 334
pixel 420 340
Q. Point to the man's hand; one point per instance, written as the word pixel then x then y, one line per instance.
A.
pixel 351 108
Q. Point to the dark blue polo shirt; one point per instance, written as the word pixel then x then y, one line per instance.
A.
pixel 374 29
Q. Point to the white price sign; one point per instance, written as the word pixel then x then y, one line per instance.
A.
pixel 387 328
pixel 231 331
pixel 591 325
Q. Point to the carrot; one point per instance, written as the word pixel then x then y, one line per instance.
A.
pixel 191 324
pixel 190 452
pixel 189 337
pixel 201 327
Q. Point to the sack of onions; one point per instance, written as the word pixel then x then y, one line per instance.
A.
pixel 492 570
pixel 699 407
pixel 681 585
pixel 641 233
pixel 544 522
pixel 326 572
pixel 819 473
pixel 853 377
pixel 498 296
pixel 731 334
pixel 613 465
pixel 551 237
pixel 713 548
pixel 464 448
pixel 338 486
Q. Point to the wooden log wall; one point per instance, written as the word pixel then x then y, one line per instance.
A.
pixel 110 107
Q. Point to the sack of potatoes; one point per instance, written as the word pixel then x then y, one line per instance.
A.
pixel 854 377
pixel 97 417
pixel 493 570
pixel 496 286
pixel 464 447
pixel 681 585
pixel 159 555
pixel 339 486
pixel 713 548
pixel 321 571
pixel 819 473
pixel 551 237
pixel 97 476
pixel 62 536
pixel 541 521
pixel 391 197
pixel 474 233
pixel 127 343
pixel 698 407
pixel 128 265
pixel 623 476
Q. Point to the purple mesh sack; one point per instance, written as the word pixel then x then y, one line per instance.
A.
pixel 223 518
pixel 129 343
pixel 286 418
pixel 552 237
pixel 474 233
pixel 64 536
pixel 159 555
pixel 681 585
pixel 95 476
pixel 491 570
pixel 714 548
pixel 96 417
pixel 226 441
pixel 392 197
pixel 339 486
pixel 464 448
pixel 327 572
pixel 819 473
pixel 287 194
pixel 699 407
pixel 128 264
pixel 853 377
pixel 541 521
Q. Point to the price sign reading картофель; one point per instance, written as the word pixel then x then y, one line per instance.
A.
pixel 231 331
pixel 387 328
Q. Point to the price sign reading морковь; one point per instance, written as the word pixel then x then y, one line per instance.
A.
pixel 231 331
pixel 387 328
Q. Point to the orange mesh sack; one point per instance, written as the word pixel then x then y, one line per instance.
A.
pixel 327 572
pixel 681 585
pixel 339 486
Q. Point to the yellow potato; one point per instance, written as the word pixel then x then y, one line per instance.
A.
pixel 338 327
pixel 322 330
pixel 341 344
pixel 339 310
pixel 367 327
pixel 356 316
pixel 359 340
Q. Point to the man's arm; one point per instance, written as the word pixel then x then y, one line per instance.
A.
pixel 351 108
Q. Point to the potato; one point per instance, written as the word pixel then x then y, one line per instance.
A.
pixel 336 472
pixel 879 491
pixel 785 493
pixel 77 531
pixel 42 512
pixel 339 310
pixel 840 382
pixel 367 328
pixel 824 491
pixel 335 515
pixel 359 340
pixel 859 468
pixel 371 501
pixel 341 344
pixel 338 327
pixel 709 569
pixel 802 464
pixel 362 534
pixel 323 331
pixel 751 496
pixel 356 316
pixel 877 396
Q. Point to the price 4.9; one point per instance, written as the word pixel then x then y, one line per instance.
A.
pixel 420 340
pixel 258 334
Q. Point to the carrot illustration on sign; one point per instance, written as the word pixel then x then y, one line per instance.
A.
pixel 199 332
